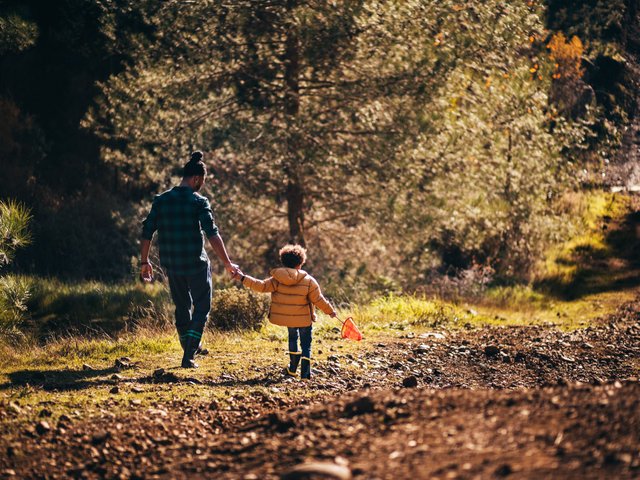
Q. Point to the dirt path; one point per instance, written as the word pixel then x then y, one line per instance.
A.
pixel 532 402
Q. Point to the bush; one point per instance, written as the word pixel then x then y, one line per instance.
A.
pixel 236 309
pixel 14 292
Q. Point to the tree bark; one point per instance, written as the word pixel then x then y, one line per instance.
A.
pixel 295 183
pixel 295 212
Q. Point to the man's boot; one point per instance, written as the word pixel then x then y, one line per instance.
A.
pixel 190 347
pixel 199 351
pixel 305 368
pixel 294 361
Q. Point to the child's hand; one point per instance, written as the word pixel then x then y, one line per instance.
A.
pixel 334 315
pixel 238 274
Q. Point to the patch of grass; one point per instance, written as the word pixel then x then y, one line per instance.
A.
pixel 58 308
pixel 240 362
pixel 584 278
pixel 52 376
pixel 568 264
pixel 404 310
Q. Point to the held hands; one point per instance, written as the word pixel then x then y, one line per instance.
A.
pixel 232 269
pixel 238 275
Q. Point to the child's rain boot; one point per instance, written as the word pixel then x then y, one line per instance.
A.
pixel 305 368
pixel 293 363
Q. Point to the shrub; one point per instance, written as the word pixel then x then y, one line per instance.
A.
pixel 14 232
pixel 236 309
pixel 14 292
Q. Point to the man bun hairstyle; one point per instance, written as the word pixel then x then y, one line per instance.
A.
pixel 293 256
pixel 195 167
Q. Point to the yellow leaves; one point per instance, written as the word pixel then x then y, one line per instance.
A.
pixel 439 39
pixel 566 55
pixel 458 8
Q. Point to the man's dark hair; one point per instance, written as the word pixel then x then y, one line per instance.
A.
pixel 195 167
pixel 293 256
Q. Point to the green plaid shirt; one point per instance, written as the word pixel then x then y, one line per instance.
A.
pixel 180 215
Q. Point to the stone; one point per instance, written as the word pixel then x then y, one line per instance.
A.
pixel 15 408
pixel 43 427
pixel 318 469
pixel 504 470
pixel 64 418
pixel 491 350
pixel 410 382
pixel 279 423
pixel 360 406
pixel 100 437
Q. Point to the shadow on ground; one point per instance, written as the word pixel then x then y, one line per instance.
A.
pixel 59 380
pixel 72 380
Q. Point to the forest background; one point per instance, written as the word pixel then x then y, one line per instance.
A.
pixel 412 146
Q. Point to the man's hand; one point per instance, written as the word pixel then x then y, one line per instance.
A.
pixel 232 269
pixel 146 272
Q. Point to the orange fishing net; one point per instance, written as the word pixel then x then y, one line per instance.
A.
pixel 350 331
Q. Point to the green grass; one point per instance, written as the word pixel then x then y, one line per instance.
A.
pixel 81 393
pixel 582 279
pixel 564 269
pixel 58 308
pixel 578 284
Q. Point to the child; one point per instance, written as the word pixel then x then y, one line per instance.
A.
pixel 294 293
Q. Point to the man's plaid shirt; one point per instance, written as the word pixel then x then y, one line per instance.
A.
pixel 180 215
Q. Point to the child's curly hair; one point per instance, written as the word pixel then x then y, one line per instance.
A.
pixel 292 256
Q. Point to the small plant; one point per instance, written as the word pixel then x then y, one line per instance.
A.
pixel 14 291
pixel 235 309
pixel 14 233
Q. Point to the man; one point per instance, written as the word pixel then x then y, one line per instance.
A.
pixel 180 215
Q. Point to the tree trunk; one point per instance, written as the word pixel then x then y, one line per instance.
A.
pixel 295 212
pixel 295 185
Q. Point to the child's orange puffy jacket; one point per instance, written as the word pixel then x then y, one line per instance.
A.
pixel 293 296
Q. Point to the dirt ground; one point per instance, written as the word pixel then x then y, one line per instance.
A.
pixel 520 402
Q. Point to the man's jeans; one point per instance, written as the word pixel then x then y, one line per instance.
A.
pixel 305 340
pixel 189 291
